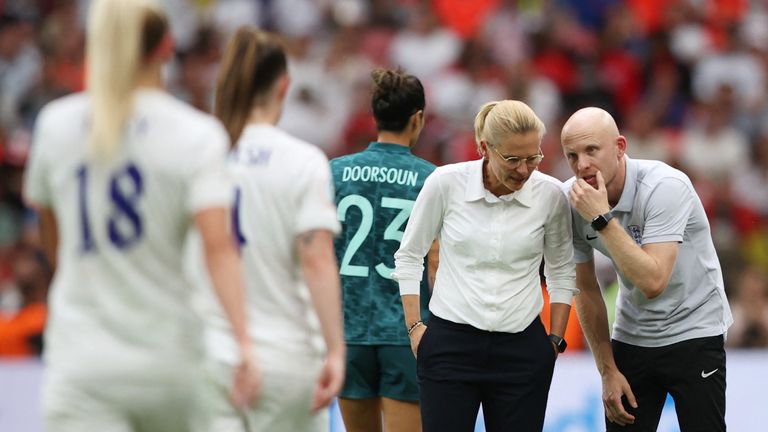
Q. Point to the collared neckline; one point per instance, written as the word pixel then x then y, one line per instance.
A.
pixel 627 198
pixel 475 189
pixel 388 147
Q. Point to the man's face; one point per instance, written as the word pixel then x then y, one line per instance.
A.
pixel 589 153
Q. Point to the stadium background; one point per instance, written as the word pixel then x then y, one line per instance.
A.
pixel 685 79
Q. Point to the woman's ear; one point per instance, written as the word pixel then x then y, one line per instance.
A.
pixel 282 86
pixel 416 122
pixel 164 50
pixel 483 149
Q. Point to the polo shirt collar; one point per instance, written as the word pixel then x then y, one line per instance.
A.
pixel 630 187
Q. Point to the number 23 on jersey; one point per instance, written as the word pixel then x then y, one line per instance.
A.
pixel 391 232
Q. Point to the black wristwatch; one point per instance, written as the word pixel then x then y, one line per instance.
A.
pixel 601 221
pixel 559 342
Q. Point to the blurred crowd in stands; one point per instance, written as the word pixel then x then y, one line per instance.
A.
pixel 685 79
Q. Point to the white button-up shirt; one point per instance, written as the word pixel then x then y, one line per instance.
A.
pixel 490 248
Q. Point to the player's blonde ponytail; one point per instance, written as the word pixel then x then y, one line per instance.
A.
pixel 114 58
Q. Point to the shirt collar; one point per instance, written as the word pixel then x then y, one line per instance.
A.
pixel 388 147
pixel 630 187
pixel 475 189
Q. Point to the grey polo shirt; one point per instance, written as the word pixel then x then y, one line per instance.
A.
pixel 658 205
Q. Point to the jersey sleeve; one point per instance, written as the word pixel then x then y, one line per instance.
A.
pixel 37 189
pixel 316 209
pixel 209 183
pixel 669 207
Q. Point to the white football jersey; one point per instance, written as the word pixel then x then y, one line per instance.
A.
pixel 283 189
pixel 119 297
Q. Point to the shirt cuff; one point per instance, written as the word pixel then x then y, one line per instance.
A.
pixel 562 295
pixel 410 287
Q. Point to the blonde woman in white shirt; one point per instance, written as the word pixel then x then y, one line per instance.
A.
pixel 285 221
pixel 495 219
pixel 119 174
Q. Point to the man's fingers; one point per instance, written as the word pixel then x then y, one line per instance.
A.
pixel 614 409
pixel 600 181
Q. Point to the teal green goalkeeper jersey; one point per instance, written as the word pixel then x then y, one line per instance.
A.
pixel 375 192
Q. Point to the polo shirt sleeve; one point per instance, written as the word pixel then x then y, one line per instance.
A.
pixel 668 209
pixel 423 227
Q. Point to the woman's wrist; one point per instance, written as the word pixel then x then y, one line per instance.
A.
pixel 414 325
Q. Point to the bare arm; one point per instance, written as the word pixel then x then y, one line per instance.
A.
pixel 648 267
pixel 558 319
pixel 223 266
pixel 49 234
pixel 412 311
pixel 593 316
pixel 594 321
pixel 321 273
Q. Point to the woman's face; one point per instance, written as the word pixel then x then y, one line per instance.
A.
pixel 512 160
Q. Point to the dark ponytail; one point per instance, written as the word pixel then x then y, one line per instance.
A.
pixel 252 63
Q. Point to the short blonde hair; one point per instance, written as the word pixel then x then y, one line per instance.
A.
pixel 498 119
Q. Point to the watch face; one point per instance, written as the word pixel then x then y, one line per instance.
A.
pixel 601 221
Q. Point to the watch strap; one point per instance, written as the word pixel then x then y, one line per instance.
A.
pixel 601 221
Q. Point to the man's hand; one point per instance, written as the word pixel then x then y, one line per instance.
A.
pixel 588 201
pixel 615 386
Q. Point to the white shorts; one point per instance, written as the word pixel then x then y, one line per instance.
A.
pixel 284 403
pixel 175 401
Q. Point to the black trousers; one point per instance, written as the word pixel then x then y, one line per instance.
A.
pixel 692 371
pixel 460 367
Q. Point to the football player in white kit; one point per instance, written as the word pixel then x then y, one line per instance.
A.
pixel 119 174
pixel 285 220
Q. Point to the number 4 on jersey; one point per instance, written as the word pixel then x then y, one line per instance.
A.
pixel 392 232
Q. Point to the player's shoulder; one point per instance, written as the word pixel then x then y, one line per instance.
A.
pixel 63 110
pixel 300 157
pixel 300 149
pixel 422 164
pixel 189 119
pixel 348 159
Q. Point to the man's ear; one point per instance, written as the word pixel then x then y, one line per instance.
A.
pixel 621 144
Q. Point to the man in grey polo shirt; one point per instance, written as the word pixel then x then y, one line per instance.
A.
pixel 672 313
